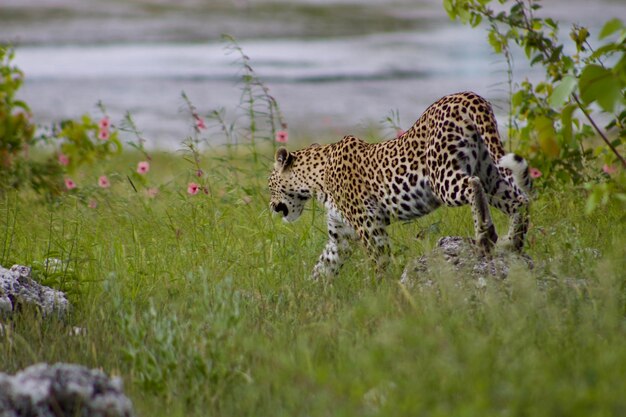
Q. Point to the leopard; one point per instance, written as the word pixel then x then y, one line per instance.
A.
pixel 451 156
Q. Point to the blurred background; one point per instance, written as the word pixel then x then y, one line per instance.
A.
pixel 334 66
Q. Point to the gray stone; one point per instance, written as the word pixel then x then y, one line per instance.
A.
pixel 465 257
pixel 17 287
pixel 60 390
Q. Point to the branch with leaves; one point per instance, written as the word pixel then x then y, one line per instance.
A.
pixel 557 120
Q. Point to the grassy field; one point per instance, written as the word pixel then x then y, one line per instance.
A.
pixel 203 305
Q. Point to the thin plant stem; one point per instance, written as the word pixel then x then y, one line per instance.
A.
pixel 598 130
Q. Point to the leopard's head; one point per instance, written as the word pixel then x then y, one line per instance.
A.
pixel 289 190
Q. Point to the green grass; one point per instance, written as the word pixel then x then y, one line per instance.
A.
pixel 203 305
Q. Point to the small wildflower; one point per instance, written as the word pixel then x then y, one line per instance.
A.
pixel 70 184
pixel 104 123
pixel 103 134
pixel 64 159
pixel 609 169
pixel 152 192
pixel 282 136
pixel 199 173
pixel 200 123
pixel 193 188
pixel 103 182
pixel 92 204
pixel 143 167
pixel 535 173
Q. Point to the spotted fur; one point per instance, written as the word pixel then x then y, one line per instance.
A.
pixel 451 156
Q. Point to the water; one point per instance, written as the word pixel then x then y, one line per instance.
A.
pixel 335 68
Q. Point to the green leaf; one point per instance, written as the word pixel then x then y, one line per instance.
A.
pixel 610 28
pixel 21 104
pixel 495 42
pixel 561 92
pixel 537 58
pixel 551 23
pixel 517 99
pixel 528 50
pixel 597 84
pixel 546 135
pixel 475 20
pixel 517 9
pixel 604 50
pixel 458 9
pixel 449 8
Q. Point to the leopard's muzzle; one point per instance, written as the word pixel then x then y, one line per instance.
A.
pixel 281 208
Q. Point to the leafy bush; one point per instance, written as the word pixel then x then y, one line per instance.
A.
pixel 80 141
pixel 556 121
pixel 87 142
pixel 16 130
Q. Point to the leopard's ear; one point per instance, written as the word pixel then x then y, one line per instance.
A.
pixel 283 159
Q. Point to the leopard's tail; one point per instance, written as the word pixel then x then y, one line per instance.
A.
pixel 519 168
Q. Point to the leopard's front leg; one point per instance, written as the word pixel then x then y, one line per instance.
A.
pixel 338 247
pixel 373 234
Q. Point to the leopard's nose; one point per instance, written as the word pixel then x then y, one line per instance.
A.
pixel 280 208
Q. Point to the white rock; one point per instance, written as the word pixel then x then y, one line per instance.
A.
pixel 61 390
pixel 17 286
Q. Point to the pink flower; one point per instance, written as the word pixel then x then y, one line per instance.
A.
pixel 104 123
pixel 92 204
pixel 200 123
pixel 535 173
pixel 152 192
pixel 103 182
pixel 193 188
pixel 143 167
pixel 103 134
pixel 64 159
pixel 282 136
pixel 609 169
pixel 199 173
pixel 70 184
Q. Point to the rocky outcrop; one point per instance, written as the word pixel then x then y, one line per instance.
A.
pixel 61 390
pixel 464 256
pixel 17 287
